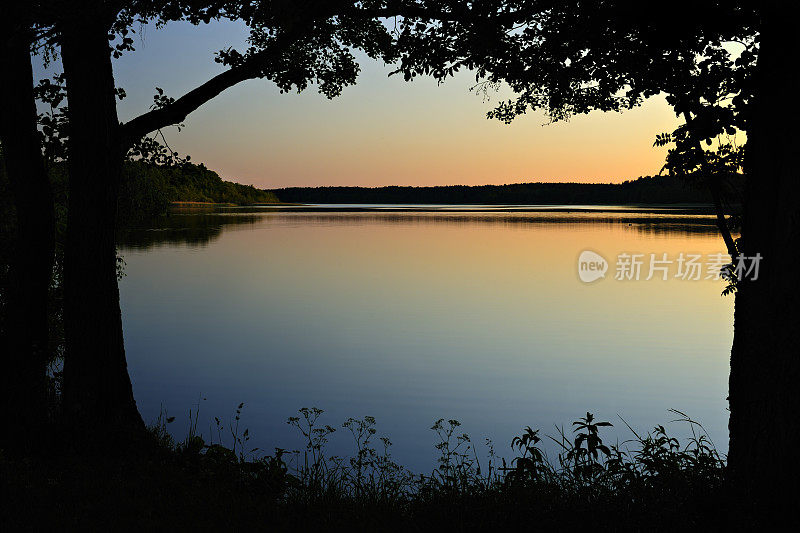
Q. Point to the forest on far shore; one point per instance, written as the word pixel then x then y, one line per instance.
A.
pixel 643 190
pixel 147 189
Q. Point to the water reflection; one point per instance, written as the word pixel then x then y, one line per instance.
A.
pixel 413 316
pixel 200 226
pixel 196 230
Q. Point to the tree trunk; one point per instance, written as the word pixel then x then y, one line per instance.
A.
pixel 25 346
pixel 98 397
pixel 765 362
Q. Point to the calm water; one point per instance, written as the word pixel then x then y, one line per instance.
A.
pixel 411 316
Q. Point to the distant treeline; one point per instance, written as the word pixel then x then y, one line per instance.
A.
pixel 643 190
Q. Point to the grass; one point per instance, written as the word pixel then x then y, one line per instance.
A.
pixel 651 482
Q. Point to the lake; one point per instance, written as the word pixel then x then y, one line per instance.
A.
pixel 415 313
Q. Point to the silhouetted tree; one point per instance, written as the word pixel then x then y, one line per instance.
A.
pixel 292 43
pixel 288 45
pixel 25 331
pixel 574 57
pixel 765 367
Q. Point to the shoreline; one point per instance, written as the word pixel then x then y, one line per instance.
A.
pixel 665 209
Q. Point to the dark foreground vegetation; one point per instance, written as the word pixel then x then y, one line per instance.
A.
pixel 651 482
pixel 644 190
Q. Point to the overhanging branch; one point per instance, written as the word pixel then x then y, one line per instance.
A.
pixel 178 110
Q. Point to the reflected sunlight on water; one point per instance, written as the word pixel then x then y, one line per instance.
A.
pixel 413 316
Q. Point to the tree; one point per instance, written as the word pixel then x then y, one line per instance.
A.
pixel 292 44
pixel 765 367
pixel 575 57
pixel 25 335
pixel 571 58
pixel 97 391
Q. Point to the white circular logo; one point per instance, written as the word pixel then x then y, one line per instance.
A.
pixel 591 266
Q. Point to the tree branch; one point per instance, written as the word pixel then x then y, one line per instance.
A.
pixel 422 12
pixel 177 111
pixel 722 222
pixel 713 188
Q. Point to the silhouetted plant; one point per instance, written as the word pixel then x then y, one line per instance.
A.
pixel 652 475
pixel 531 466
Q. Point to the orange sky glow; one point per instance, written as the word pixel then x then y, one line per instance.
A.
pixel 383 131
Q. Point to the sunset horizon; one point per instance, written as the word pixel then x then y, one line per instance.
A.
pixel 255 135
pixel 398 265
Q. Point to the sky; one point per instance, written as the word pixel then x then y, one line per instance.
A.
pixel 382 131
